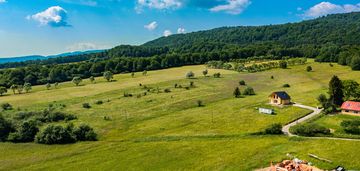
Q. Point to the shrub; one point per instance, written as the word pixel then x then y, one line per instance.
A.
pixel 99 102
pixel 192 84
pixel 56 135
pixel 200 103
pixel 249 91
pixel 51 116
pixel 175 85
pixel 283 64
pixel 85 133
pixel 310 130
pixel 274 129
pixel 286 85
pixel 217 75
pixel 237 92
pixel 190 75
pixel 242 83
pixel 308 68
pixel 167 90
pixel 5 128
pixel 6 106
pixel 272 77
pixel 127 94
pixel 25 133
pixel 86 105
pixel 351 126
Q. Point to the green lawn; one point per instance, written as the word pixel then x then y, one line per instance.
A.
pixel 167 131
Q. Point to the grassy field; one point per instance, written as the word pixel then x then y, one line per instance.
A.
pixel 168 131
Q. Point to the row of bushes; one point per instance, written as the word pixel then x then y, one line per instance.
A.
pixel 28 131
pixel 310 130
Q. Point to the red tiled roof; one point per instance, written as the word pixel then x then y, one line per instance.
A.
pixel 350 105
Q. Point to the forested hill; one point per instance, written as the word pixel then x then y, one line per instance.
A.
pixel 339 29
pixel 335 38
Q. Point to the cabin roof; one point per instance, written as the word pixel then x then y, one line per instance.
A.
pixel 282 94
pixel 351 105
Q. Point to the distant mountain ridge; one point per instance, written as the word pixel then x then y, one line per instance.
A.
pixel 40 57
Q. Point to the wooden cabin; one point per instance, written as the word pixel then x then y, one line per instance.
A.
pixel 280 98
pixel 350 108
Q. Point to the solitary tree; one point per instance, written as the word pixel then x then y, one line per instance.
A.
pixel 336 91
pixel 308 68
pixel 108 76
pixel 242 83
pixel 3 90
pixel 48 86
pixel 205 72
pixel 14 87
pixel 92 79
pixel 144 73
pixel 133 74
pixel 20 89
pixel 237 92
pixel 27 87
pixel 249 91
pixel 77 80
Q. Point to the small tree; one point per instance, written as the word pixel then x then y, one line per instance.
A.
pixel 242 83
pixel 5 128
pixel 3 90
pixel 272 77
pixel 308 68
pixel 27 87
pixel 200 103
pixel 283 64
pixel 205 72
pixel 237 92
pixel 336 91
pixel 144 73
pixel 92 79
pixel 286 85
pixel 190 75
pixel 14 87
pixel 249 91
pixel 217 75
pixel 108 76
pixel 85 133
pixel 77 80
pixel 48 86
pixel 20 89
pixel 274 129
pixel 133 74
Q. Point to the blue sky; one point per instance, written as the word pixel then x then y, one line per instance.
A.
pixel 47 27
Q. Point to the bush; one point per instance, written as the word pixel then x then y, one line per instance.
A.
pixel 190 75
pixel 200 103
pixel 274 129
pixel 217 75
pixel 51 116
pixel 272 77
pixel 310 130
pixel 192 84
pixel 86 105
pixel 167 90
pixel 286 85
pixel 99 102
pixel 308 68
pixel 5 128
pixel 351 126
pixel 242 83
pixel 355 63
pixel 6 106
pixel 283 64
pixel 25 133
pixel 85 133
pixel 128 95
pixel 237 92
pixel 249 91
pixel 56 135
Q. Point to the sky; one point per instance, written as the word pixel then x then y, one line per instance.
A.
pixel 48 27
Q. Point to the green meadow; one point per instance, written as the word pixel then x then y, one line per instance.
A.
pixel 169 131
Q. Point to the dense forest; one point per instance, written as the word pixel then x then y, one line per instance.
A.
pixel 334 38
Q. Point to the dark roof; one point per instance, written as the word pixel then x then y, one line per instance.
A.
pixel 282 94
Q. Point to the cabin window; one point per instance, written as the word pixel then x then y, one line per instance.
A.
pixel 347 111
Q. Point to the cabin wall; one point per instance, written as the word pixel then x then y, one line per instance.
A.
pixel 350 112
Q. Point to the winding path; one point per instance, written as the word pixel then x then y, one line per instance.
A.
pixel 316 111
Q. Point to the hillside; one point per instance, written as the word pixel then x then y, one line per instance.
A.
pixel 155 130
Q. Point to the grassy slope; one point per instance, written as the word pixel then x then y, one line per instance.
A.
pixel 166 131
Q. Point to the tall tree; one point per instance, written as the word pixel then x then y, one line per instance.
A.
pixel 77 80
pixel 27 87
pixel 336 91
pixel 108 75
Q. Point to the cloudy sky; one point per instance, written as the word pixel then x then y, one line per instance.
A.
pixel 47 27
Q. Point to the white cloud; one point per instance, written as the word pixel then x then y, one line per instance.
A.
pixel 158 4
pixel 2 1
pixel 151 26
pixel 181 30
pixel 232 7
pixel 325 8
pixel 167 33
pixel 81 2
pixel 85 47
pixel 54 16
